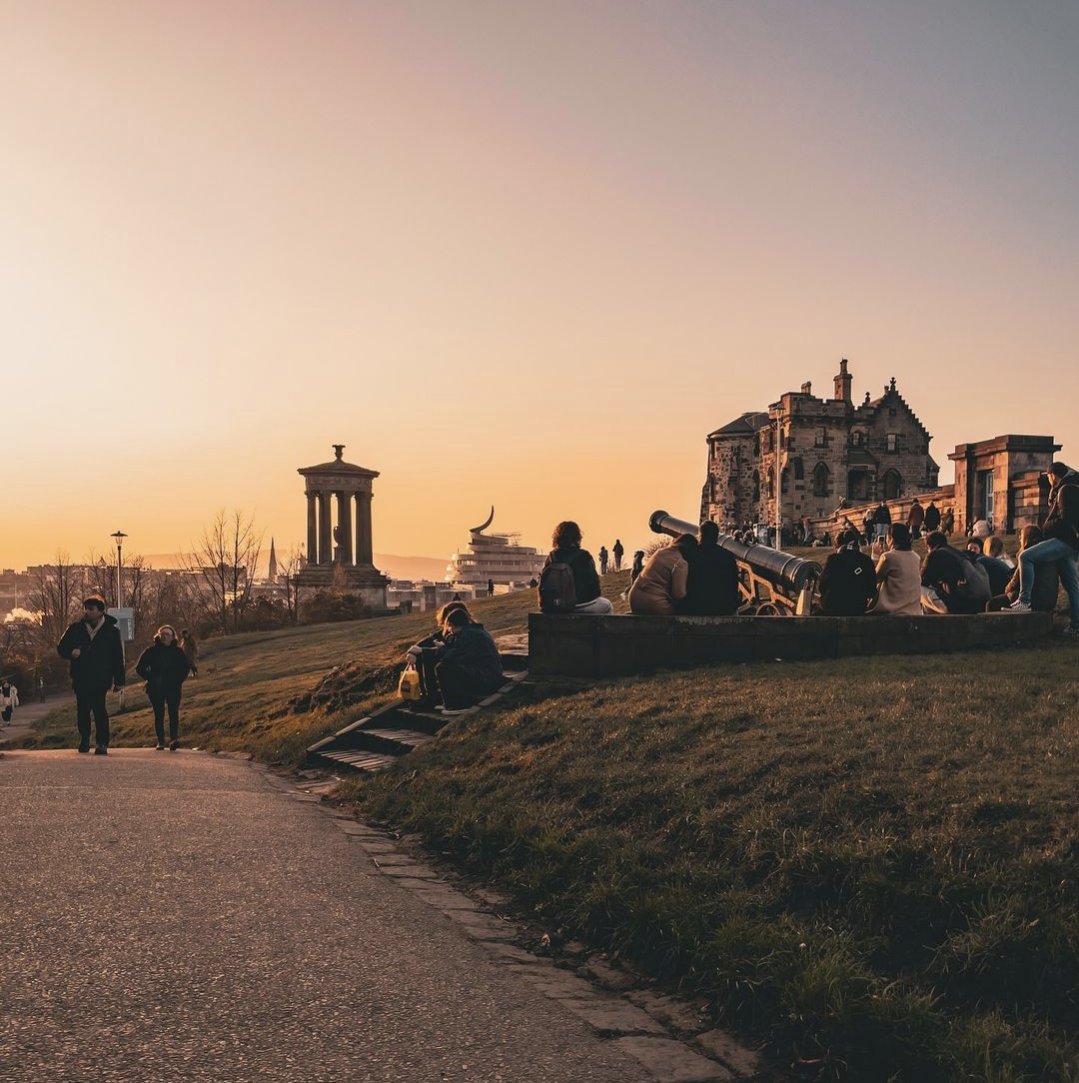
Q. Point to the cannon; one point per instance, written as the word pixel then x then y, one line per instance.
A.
pixel 772 583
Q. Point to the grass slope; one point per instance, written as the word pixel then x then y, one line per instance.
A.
pixel 243 697
pixel 872 864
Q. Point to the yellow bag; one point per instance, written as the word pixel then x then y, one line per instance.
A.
pixel 408 687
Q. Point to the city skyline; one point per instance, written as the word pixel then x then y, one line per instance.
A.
pixel 510 254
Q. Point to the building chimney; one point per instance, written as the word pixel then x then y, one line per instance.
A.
pixel 807 388
pixel 842 382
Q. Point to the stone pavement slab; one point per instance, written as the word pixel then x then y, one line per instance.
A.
pixel 178 918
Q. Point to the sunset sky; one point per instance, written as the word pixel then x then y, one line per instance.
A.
pixel 526 254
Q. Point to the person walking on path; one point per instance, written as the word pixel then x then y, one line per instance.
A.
pixel 915 518
pixel 882 521
pixel 164 668
pixel 604 556
pixel 947 523
pixel 95 651
pixel 1060 549
pixel 932 518
pixel 617 551
pixel 9 700
pixel 490 588
pixel 190 646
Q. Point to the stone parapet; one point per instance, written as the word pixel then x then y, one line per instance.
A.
pixel 620 646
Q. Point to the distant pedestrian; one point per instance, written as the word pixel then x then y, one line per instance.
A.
pixel 915 518
pixel 932 517
pixel 96 652
pixel 604 556
pixel 638 565
pixel 9 700
pixel 164 667
pixel 617 552
pixel 190 646
pixel 882 521
pixel 868 527
pixel 947 523
pixel 490 588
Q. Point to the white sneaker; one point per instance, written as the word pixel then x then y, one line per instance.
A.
pixel 1018 607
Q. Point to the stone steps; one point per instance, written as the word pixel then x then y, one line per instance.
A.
pixel 374 742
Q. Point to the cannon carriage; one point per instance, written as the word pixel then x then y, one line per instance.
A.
pixel 771 582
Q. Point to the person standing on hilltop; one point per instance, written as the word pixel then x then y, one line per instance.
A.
pixel 604 556
pixel 96 652
pixel 190 646
pixel 617 551
pixel 164 667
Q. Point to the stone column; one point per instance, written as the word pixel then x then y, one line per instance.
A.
pixel 364 546
pixel 325 534
pixel 312 530
pixel 344 520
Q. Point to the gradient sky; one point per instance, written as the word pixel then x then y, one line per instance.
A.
pixel 527 254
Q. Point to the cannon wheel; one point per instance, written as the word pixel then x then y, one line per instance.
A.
pixel 768 609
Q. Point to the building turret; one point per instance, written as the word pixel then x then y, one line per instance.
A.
pixel 842 382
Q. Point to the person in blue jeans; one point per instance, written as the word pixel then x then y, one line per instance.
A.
pixel 1061 545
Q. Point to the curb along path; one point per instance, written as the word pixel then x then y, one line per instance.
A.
pixel 671 1041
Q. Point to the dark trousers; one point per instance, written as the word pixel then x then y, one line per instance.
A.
pixel 87 702
pixel 459 686
pixel 159 701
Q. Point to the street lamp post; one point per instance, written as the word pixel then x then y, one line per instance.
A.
pixel 118 537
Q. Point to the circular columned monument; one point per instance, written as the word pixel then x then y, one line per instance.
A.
pixel 339 545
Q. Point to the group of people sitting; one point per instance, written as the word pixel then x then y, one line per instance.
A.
pixel 977 579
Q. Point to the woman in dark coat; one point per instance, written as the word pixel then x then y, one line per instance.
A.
pixel 469 666
pixel 164 667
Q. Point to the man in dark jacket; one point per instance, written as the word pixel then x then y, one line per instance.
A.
pixel 1060 547
pixel 96 652
pixel 957 577
pixel 469 665
pixel 915 518
pixel 932 517
pixel 882 520
pixel 712 584
pixel 617 550
pixel 848 584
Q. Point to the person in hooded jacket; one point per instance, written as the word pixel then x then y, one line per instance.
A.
pixel 662 585
pixel 1060 549
pixel 469 665
pixel 848 583
pixel 95 651
pixel 957 577
pixel 164 668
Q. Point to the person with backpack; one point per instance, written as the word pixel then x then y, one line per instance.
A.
pixel 848 583
pixel 96 653
pixel 569 583
pixel 469 666
pixel 663 583
pixel 617 551
pixel 164 668
pixel 712 586
pixel 958 579
pixel 1060 547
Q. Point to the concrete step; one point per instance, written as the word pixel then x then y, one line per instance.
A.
pixel 388 741
pixel 353 759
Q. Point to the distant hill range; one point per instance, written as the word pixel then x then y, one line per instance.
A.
pixel 393 566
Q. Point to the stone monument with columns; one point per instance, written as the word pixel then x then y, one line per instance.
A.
pixel 339 545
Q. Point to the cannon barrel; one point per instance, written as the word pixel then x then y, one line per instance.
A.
pixel 787 573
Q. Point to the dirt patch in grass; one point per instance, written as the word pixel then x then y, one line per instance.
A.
pixel 872 864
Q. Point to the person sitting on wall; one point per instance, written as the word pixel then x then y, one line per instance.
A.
pixel 999 573
pixel 956 577
pixel 1043 596
pixel 994 547
pixel 469 666
pixel 848 583
pixel 427 653
pixel 1060 546
pixel 712 586
pixel 662 584
pixel 568 582
pixel 898 572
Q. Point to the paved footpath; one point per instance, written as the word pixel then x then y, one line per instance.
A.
pixel 178 917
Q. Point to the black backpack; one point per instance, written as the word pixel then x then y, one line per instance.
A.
pixel 557 588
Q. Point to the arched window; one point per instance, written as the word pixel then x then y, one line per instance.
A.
pixel 820 480
pixel 893 485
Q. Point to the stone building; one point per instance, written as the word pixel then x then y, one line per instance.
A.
pixel 827 452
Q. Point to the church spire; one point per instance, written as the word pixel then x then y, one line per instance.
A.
pixel 272 571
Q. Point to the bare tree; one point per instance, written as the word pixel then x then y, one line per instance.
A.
pixel 54 592
pixel 225 561
pixel 286 576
